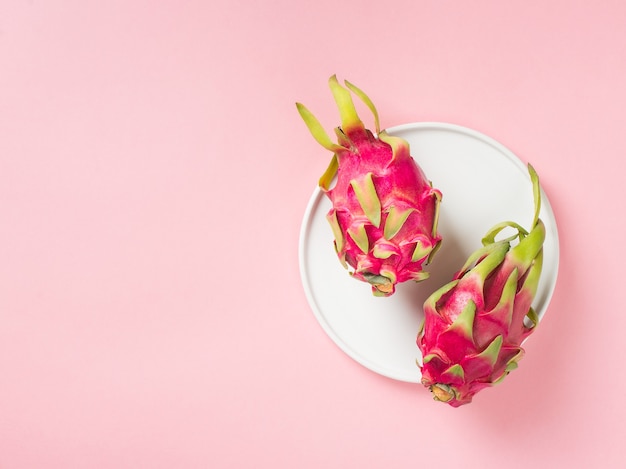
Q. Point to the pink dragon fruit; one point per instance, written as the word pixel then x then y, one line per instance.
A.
pixel 474 326
pixel 384 210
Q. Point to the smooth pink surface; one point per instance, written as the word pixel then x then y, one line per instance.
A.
pixel 153 177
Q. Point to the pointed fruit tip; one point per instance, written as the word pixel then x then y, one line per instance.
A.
pixel 368 102
pixel 316 129
pixel 534 179
pixel 442 392
pixel 383 290
pixel 350 120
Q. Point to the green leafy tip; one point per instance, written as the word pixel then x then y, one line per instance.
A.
pixel 316 129
pixel 503 311
pixel 334 224
pixel 534 178
pixel 359 236
pixel 398 145
pixel 365 192
pixel 438 198
pixel 429 357
pixel 368 102
pixel 349 118
pixel 383 251
pixel 395 220
pixel 420 251
pixel 490 354
pixel 455 371
pixel 329 174
pixel 464 322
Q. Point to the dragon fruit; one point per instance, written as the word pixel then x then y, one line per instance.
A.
pixel 384 211
pixel 474 326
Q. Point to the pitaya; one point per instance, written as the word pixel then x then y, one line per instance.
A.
pixel 474 326
pixel 384 210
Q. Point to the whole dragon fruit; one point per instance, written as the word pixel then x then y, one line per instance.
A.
pixel 474 326
pixel 384 210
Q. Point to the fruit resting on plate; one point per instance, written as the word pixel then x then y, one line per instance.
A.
pixel 474 326
pixel 384 210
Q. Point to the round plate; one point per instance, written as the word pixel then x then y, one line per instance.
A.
pixel 483 183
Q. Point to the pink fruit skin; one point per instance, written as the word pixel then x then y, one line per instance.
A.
pixel 384 210
pixel 453 348
pixel 399 182
pixel 475 325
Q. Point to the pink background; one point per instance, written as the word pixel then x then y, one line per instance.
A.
pixel 153 178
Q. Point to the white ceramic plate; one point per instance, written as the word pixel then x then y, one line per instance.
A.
pixel 483 183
